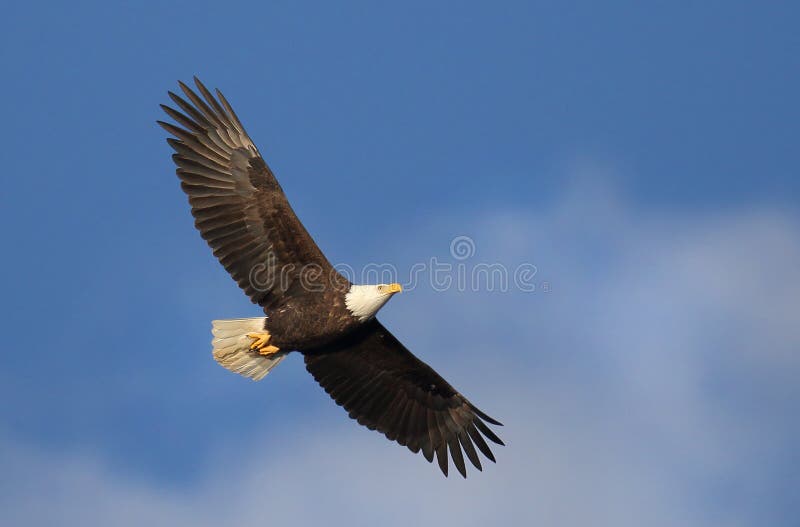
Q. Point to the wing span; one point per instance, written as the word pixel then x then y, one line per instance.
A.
pixel 386 388
pixel 238 205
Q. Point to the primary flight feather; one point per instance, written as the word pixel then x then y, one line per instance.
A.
pixel 243 214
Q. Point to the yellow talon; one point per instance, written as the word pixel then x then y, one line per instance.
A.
pixel 260 343
pixel 269 350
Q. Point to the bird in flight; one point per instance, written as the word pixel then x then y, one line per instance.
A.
pixel 244 216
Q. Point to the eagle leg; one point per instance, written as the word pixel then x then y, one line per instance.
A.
pixel 260 343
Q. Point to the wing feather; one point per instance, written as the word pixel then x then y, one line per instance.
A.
pixel 479 442
pixel 386 388
pixel 238 205
pixel 469 449
pixel 455 453
pixel 438 438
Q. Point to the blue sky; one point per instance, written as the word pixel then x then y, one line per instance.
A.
pixel 641 155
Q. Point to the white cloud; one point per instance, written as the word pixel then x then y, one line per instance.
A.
pixel 619 391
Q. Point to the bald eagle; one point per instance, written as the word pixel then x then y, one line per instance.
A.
pixel 244 216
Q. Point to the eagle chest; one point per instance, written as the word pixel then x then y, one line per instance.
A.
pixel 309 321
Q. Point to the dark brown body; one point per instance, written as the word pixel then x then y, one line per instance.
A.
pixel 309 321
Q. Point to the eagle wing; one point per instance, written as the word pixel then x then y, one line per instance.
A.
pixel 238 205
pixel 385 387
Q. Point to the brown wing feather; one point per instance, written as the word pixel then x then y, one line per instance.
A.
pixel 238 205
pixel 385 387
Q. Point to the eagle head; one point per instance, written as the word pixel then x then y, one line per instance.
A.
pixel 363 301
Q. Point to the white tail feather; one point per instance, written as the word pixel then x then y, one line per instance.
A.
pixel 232 347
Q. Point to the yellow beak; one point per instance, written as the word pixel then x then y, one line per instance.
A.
pixel 395 288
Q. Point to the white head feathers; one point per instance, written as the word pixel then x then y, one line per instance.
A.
pixel 363 301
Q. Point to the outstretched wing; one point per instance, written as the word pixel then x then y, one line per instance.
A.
pixel 238 205
pixel 384 387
